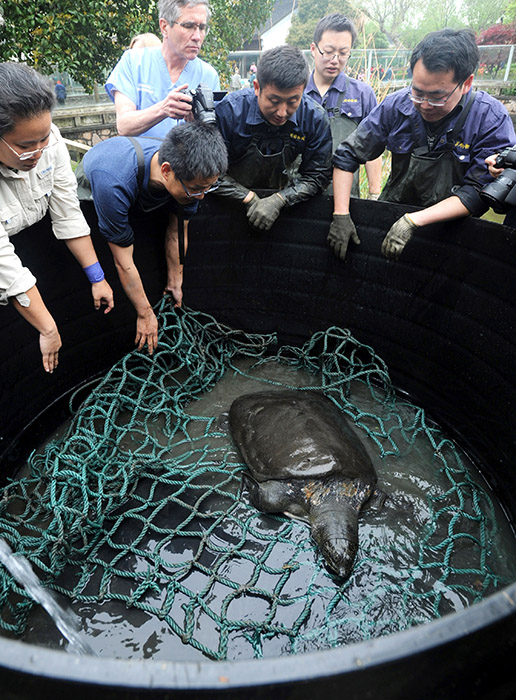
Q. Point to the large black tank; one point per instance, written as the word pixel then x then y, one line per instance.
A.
pixel 443 318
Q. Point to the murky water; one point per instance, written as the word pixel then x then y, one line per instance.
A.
pixel 426 554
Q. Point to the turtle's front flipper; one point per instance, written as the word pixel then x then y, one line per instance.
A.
pixel 376 502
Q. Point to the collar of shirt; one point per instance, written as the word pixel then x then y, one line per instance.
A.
pixel 339 84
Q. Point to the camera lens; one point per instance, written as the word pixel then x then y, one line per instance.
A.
pixel 494 193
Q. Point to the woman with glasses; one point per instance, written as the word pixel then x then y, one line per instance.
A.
pixel 36 177
pixel 148 85
pixel 130 177
pixel 439 133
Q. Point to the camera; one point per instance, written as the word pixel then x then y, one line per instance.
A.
pixel 501 193
pixel 203 104
pixel 507 158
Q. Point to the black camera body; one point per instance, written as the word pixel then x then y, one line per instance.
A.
pixel 203 104
pixel 501 193
pixel 507 158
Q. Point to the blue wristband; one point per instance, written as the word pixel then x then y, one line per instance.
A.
pixel 94 273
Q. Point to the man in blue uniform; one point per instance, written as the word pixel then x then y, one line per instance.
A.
pixel 439 133
pixel 277 138
pixel 346 100
pixel 130 173
pixel 146 84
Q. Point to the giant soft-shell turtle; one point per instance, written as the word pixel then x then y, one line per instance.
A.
pixel 305 460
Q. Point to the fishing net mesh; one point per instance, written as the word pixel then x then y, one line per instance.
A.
pixel 140 502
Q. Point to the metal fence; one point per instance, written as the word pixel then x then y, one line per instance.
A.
pixel 496 63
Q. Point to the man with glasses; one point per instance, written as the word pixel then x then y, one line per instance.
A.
pixel 277 138
pixel 147 84
pixel 346 100
pixel 439 133
pixel 130 177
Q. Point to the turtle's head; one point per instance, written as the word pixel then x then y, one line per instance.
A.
pixel 336 533
pixel 340 555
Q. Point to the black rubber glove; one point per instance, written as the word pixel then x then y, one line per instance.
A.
pixel 397 237
pixel 342 229
pixel 265 212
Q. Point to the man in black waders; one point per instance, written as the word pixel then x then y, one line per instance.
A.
pixel 439 132
pixel 277 138
pixel 346 100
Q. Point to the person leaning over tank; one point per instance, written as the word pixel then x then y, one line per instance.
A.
pixel 145 173
pixel 439 133
pixel 346 100
pixel 147 84
pixel 35 177
pixel 267 130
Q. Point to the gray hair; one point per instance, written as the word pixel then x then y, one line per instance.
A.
pixel 24 93
pixel 194 150
pixel 171 9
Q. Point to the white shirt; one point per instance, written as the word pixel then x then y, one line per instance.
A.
pixel 25 198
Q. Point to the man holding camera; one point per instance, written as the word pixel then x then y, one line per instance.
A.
pixel 132 176
pixel 277 138
pixel 150 86
pixel 439 133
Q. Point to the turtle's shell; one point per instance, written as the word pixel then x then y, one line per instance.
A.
pixel 296 434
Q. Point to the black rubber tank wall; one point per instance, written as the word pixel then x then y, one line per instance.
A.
pixel 443 318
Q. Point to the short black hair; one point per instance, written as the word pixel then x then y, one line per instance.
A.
pixel 448 49
pixel 283 66
pixel 335 22
pixel 24 93
pixel 194 150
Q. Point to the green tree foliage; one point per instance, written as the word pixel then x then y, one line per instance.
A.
pixel 86 37
pixel 440 14
pixel 480 14
pixel 82 37
pixel 392 16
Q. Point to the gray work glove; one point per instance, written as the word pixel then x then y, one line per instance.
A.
pixel 373 196
pixel 266 211
pixel 342 229
pixel 397 237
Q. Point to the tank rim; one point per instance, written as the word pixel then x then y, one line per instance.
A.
pixel 205 675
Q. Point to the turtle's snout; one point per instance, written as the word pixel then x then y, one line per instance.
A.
pixel 339 554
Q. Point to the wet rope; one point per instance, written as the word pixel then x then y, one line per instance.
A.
pixel 140 502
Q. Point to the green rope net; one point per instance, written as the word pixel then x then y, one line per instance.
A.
pixel 140 502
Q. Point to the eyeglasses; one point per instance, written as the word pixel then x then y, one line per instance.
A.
pixel 192 26
pixel 437 102
pixel 26 155
pixel 329 55
pixel 212 188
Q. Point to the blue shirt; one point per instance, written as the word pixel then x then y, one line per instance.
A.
pixel 142 75
pixel 359 98
pixel 111 167
pixel 308 134
pixel 395 124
